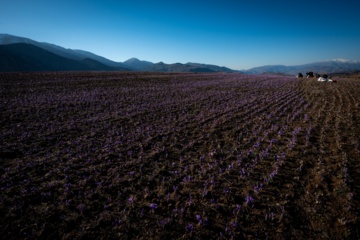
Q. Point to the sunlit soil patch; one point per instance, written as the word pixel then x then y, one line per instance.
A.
pixel 171 156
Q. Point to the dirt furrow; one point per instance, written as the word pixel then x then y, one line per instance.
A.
pixel 325 190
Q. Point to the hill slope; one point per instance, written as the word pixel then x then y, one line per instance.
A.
pixel 188 67
pixel 20 57
pixel 16 62
pixel 137 64
pixel 60 51
pixel 330 66
pixel 81 61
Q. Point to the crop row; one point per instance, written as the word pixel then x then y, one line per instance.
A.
pixel 168 155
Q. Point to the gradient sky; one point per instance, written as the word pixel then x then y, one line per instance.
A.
pixel 237 34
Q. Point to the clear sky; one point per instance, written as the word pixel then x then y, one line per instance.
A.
pixel 239 34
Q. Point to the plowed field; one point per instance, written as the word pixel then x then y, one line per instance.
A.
pixel 178 156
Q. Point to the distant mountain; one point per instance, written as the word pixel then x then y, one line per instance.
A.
pixel 103 60
pixel 24 54
pixel 63 52
pixel 137 64
pixel 269 69
pixel 328 67
pixel 10 39
pixel 21 57
pixel 188 67
pixel 213 68
pixel 23 60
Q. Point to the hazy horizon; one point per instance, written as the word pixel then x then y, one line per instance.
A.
pixel 234 34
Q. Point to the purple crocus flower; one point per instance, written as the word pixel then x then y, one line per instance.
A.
pixel 249 199
pixel 189 227
pixel 153 206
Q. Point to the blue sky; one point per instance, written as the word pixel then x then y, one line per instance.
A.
pixel 237 34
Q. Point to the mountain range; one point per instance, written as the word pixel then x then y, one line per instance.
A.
pixel 23 54
pixel 328 66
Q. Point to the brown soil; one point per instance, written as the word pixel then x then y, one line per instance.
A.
pixel 178 156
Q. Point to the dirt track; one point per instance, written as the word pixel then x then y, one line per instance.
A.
pixel 160 156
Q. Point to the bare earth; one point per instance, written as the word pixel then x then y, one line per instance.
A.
pixel 178 156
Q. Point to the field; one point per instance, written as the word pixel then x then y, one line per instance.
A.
pixel 178 156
